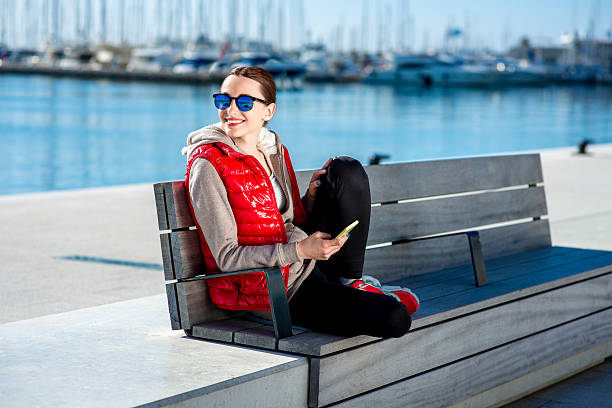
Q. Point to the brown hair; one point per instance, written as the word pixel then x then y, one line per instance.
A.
pixel 266 82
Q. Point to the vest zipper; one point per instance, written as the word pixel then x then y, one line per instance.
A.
pixel 279 217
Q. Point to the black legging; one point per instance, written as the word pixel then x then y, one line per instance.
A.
pixel 322 303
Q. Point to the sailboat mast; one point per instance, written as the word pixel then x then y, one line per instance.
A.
pixel 281 23
pixel 364 25
pixel 55 20
pixel 202 18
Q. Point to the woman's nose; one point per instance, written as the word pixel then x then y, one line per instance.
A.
pixel 233 108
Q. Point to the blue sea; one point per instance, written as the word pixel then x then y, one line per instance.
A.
pixel 59 133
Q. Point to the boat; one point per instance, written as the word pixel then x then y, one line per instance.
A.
pixel 345 69
pixel 581 73
pixel 195 61
pixel 318 68
pixel 413 69
pixel 455 71
pixel 278 65
pixel 154 59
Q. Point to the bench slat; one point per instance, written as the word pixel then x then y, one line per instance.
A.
pixel 222 330
pixel 493 368
pixel 436 345
pixel 160 205
pixel 439 177
pixel 261 336
pixel 394 262
pixel 167 262
pixel 195 305
pixel 319 344
pixel 187 257
pixel 390 182
pixel 173 307
pixel 179 215
pixel 409 220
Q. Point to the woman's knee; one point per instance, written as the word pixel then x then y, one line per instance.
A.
pixel 398 321
pixel 347 171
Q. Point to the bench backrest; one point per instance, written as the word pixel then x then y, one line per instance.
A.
pixel 500 196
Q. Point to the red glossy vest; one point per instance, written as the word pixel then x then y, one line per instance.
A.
pixel 258 220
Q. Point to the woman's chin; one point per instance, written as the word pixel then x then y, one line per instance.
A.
pixel 232 132
pixel 240 131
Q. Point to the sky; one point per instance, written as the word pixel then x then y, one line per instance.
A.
pixel 494 23
pixel 342 25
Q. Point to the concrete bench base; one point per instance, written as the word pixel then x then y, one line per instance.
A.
pixel 125 354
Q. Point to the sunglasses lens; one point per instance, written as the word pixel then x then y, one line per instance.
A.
pixel 222 102
pixel 245 103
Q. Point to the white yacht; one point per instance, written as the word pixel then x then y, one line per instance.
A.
pixel 195 60
pixel 450 70
pixel 318 68
pixel 153 59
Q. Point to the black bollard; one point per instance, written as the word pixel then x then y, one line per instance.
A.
pixel 582 146
pixel 376 158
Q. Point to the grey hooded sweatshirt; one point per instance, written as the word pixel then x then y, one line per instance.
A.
pixel 214 213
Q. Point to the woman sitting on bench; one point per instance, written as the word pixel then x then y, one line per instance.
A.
pixel 244 197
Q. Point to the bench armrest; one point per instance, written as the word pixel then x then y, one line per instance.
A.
pixel 276 293
pixel 480 271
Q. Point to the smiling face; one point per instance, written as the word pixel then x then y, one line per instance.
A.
pixel 239 125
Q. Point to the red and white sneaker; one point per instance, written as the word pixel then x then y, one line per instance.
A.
pixel 404 295
pixel 362 284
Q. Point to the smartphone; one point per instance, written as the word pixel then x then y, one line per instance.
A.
pixel 347 229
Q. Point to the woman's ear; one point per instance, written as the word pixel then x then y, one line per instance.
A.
pixel 269 111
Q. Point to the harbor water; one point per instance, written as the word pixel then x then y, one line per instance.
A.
pixel 60 133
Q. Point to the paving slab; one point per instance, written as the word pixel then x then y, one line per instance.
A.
pixel 124 354
pixel 38 231
pixel 579 196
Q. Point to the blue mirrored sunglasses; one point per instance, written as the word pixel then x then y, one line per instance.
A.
pixel 243 102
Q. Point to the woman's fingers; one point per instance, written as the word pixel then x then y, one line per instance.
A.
pixel 314 180
pixel 321 235
pixel 318 173
pixel 331 246
pixel 320 246
pixel 314 185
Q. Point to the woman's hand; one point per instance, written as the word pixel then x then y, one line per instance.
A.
pixel 315 182
pixel 319 246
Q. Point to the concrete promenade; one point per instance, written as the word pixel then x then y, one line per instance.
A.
pixel 69 257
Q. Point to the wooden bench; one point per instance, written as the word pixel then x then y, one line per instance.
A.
pixel 545 313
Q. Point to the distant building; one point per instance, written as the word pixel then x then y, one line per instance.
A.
pixel 571 51
pixel 586 51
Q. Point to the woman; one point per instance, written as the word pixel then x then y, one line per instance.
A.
pixel 245 200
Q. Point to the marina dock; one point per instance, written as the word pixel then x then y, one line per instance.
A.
pixel 113 74
pixel 84 319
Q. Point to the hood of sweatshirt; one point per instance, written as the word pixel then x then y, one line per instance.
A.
pixel 268 141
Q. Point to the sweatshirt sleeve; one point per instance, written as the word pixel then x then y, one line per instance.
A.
pixel 307 202
pixel 216 219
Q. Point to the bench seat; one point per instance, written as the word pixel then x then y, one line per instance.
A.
pixel 444 295
pixel 541 312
